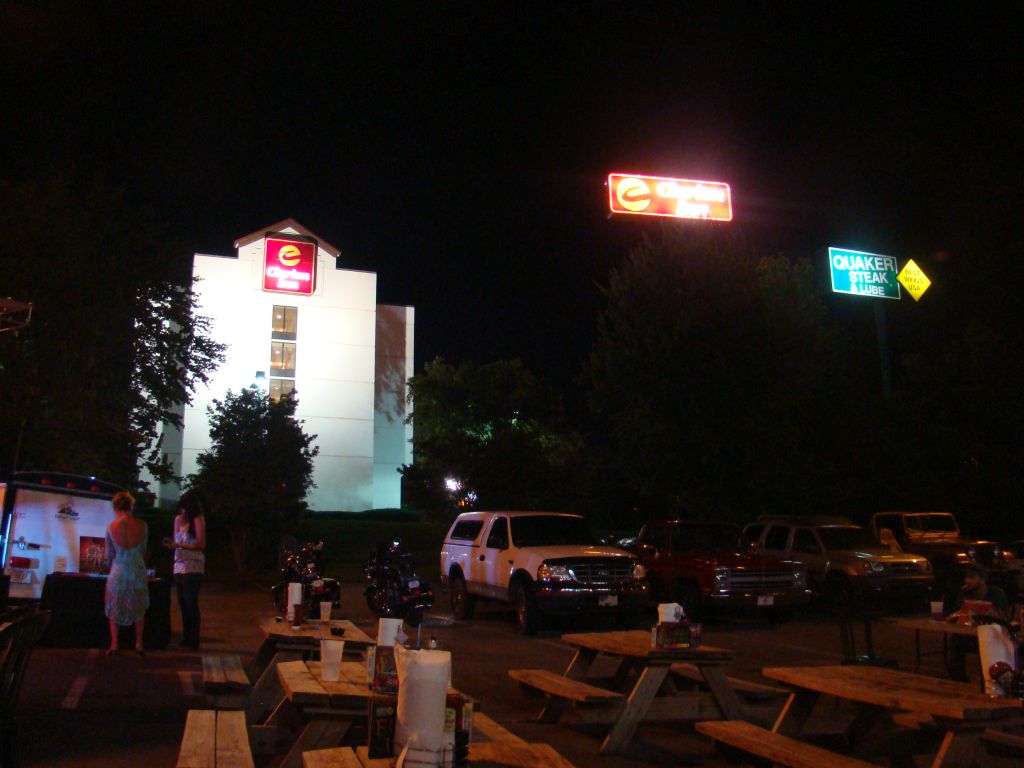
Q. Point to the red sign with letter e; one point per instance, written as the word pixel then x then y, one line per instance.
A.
pixel 289 266
pixel 675 198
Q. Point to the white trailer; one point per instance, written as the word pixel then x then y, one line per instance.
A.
pixel 52 522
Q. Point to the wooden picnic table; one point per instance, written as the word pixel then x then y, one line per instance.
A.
pixel 919 624
pixel 634 649
pixel 282 644
pixel 328 708
pixel 959 709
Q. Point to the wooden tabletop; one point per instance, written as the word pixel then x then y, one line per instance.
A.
pixel 636 644
pixel 310 631
pixel 893 689
pixel 304 685
pixel 925 624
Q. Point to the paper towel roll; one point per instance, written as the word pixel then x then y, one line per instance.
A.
pixel 387 631
pixel 669 612
pixel 422 693
pixel 294 596
pixel 994 645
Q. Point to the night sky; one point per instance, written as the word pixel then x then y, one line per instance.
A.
pixel 460 150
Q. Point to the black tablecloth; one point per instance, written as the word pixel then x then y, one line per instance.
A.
pixel 78 620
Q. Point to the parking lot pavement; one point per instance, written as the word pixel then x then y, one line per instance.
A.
pixel 81 708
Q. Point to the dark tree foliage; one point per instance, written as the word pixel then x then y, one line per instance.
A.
pixel 115 345
pixel 718 378
pixel 495 427
pixel 257 472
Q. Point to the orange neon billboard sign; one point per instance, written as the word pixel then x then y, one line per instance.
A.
pixel 676 198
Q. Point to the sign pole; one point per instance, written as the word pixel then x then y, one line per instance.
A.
pixel 882 332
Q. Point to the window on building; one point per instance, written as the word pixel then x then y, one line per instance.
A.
pixel 284 322
pixel 281 387
pixel 282 359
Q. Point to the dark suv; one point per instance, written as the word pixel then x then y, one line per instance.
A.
pixel 936 535
pixel 843 560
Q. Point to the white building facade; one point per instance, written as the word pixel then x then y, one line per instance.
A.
pixel 293 320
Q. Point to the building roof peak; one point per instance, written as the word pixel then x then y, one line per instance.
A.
pixel 279 227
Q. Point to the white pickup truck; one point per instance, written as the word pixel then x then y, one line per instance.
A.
pixel 540 563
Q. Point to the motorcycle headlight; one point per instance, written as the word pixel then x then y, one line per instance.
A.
pixel 639 572
pixel 548 572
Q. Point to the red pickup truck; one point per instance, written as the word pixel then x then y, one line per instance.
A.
pixel 706 565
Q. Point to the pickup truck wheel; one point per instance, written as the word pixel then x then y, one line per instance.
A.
pixel 691 598
pixel 527 615
pixel 463 603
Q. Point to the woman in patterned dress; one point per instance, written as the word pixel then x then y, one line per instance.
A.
pixel 127 596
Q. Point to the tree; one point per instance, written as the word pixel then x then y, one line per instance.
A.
pixel 494 428
pixel 257 472
pixel 716 376
pixel 115 345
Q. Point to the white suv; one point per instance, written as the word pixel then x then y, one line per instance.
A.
pixel 540 563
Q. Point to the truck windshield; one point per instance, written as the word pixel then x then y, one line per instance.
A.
pixel 846 538
pixel 550 530
pixel 705 537
pixel 934 523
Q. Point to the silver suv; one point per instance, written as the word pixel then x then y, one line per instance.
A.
pixel 843 560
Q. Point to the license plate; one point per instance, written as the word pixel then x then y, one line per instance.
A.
pixel 608 601
pixel 414 583
pixel 20 576
pixel 765 600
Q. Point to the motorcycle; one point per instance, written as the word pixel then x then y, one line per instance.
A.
pixel 299 563
pixel 394 590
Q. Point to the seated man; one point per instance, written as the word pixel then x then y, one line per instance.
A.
pixel 976 587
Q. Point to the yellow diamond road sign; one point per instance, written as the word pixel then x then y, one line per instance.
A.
pixel 913 279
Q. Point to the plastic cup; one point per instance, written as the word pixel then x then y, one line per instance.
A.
pixel 325 610
pixel 330 659
pixel 937 610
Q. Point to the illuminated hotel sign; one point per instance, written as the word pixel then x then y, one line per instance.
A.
pixel 675 198
pixel 289 266
pixel 863 274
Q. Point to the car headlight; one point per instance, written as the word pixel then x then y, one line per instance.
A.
pixel 872 566
pixel 553 573
pixel 639 572
pixel 799 577
pixel 722 576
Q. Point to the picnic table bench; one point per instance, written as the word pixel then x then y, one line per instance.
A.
pixel 561 691
pixel 775 747
pixel 225 683
pixel 215 739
